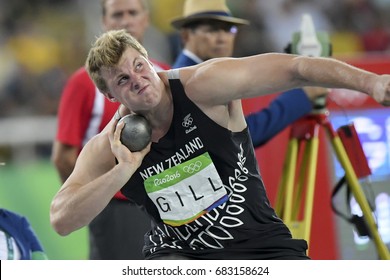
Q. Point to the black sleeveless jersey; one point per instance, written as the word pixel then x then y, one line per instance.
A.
pixel 202 188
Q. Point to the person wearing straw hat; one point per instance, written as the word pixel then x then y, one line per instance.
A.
pixel 198 178
pixel 208 30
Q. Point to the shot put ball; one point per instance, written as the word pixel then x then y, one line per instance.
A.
pixel 137 133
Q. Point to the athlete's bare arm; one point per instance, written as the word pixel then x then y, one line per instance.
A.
pixel 219 81
pixel 95 180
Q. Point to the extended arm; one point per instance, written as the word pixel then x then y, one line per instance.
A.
pixel 220 81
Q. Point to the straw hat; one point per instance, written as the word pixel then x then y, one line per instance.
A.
pixel 195 10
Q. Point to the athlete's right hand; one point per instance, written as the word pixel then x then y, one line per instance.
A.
pixel 120 151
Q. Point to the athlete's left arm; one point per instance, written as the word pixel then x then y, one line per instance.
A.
pixel 219 81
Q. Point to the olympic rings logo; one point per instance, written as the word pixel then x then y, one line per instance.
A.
pixel 193 167
pixel 187 121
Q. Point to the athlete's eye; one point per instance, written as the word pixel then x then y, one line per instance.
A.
pixel 122 80
pixel 138 66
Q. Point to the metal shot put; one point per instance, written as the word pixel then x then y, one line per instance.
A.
pixel 136 134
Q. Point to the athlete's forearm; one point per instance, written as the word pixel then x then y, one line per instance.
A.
pixel 328 72
pixel 75 205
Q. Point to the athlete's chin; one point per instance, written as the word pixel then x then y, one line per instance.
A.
pixel 150 103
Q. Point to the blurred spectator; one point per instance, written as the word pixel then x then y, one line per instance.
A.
pixel 32 33
pixel 18 240
pixel 283 17
pixel 29 89
pixel 253 38
pixel 377 38
pixel 360 25
pixel 375 34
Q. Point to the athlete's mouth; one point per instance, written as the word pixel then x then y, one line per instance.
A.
pixel 142 90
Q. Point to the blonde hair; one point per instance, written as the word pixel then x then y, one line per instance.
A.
pixel 107 51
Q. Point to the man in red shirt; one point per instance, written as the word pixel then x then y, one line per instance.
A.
pixel 84 112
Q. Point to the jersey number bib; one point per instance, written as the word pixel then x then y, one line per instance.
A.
pixel 187 191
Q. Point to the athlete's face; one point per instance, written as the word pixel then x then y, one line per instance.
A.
pixel 126 14
pixel 211 39
pixel 133 82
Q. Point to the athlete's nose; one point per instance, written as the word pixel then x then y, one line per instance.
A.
pixel 136 82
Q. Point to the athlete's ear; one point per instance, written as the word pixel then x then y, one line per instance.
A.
pixel 109 97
